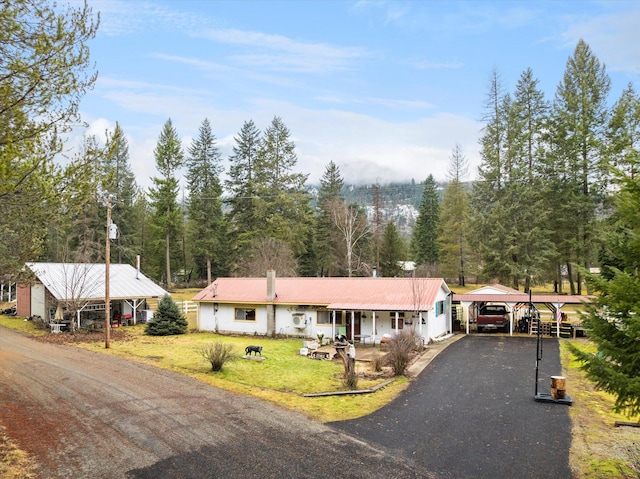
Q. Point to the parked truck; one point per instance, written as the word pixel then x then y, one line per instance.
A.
pixel 492 317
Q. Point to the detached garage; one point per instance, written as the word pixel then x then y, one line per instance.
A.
pixel 65 292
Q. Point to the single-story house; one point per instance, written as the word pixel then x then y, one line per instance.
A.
pixel 61 290
pixel 362 309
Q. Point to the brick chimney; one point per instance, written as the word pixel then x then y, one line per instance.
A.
pixel 271 285
pixel 271 308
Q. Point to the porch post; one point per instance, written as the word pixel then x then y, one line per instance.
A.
pixel 353 326
pixel 397 316
pixel 373 327
pixel 333 324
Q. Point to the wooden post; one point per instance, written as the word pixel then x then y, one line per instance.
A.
pixel 558 387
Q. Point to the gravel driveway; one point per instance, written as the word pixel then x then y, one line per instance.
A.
pixel 471 413
pixel 90 415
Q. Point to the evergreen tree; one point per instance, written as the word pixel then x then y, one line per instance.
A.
pixel 167 320
pixel 424 241
pixel 241 186
pixel 328 240
pixel 613 320
pixel 206 227
pixel 282 203
pixel 167 219
pixel 378 230
pixel 576 166
pixel 120 182
pixel 44 73
pixel 507 205
pixel 452 240
pixel 392 252
pixel 77 231
pixel 623 133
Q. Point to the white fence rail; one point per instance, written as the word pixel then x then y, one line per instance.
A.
pixel 187 306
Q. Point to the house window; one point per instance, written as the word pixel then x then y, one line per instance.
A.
pixel 326 317
pixel 441 307
pixel 400 320
pixel 245 314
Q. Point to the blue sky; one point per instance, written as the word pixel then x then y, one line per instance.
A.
pixel 385 89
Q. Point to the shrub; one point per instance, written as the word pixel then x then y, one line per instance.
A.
pixel 400 348
pixel 168 319
pixel 39 322
pixel 217 354
pixel 376 364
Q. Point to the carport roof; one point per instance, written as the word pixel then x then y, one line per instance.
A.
pixel 86 281
pixel 371 294
pixel 521 298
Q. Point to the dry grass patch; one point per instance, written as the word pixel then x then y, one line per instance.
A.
pixel 14 463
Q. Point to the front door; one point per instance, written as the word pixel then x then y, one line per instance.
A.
pixel 356 325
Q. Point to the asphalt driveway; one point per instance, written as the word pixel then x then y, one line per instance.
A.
pixel 471 413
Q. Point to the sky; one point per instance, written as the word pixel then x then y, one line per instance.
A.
pixel 384 89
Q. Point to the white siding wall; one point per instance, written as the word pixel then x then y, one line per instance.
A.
pixel 37 301
pixel 226 319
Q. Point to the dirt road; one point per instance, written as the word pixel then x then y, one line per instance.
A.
pixel 90 415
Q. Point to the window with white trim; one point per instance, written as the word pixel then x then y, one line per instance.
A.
pixel 326 317
pixel 245 314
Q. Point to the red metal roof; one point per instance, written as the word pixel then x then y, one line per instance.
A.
pixel 379 294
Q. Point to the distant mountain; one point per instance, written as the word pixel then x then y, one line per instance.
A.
pixel 399 202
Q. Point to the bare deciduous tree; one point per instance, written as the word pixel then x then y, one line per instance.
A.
pixel 353 226
pixel 266 254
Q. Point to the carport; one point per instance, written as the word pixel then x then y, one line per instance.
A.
pixel 516 301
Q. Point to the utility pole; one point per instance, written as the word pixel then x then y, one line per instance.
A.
pixel 107 300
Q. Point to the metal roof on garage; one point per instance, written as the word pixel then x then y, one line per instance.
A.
pixel 87 281
pixel 522 298
pixel 370 294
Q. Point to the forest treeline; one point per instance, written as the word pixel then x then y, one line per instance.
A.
pixel 542 207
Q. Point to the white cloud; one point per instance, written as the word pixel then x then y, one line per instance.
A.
pixel 281 53
pixel 612 37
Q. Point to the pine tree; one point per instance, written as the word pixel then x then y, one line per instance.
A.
pixel 167 219
pixel 328 241
pixel 508 216
pixel 241 186
pixel 424 241
pixel 77 234
pixel 282 202
pixel 578 171
pixel 167 320
pixel 452 240
pixel 392 252
pixel 206 226
pixel 613 320
pixel 45 71
pixel 623 133
pixel 120 182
